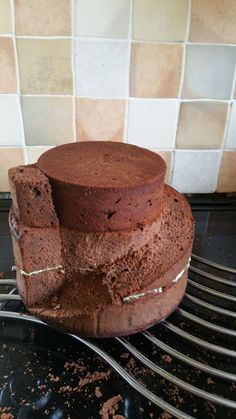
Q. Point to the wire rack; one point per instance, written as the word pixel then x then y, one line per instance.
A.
pixel 200 335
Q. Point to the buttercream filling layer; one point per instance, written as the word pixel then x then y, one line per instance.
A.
pixel 156 290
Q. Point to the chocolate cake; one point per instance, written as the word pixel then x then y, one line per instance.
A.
pixel 101 245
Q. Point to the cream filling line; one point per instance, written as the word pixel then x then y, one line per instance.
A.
pixel 156 290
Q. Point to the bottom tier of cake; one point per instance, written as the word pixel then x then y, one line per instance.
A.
pixel 105 284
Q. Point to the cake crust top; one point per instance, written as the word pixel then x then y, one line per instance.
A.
pixel 102 164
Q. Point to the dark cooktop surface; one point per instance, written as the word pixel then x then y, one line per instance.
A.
pixel 184 367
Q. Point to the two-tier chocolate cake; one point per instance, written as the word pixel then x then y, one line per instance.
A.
pixel 101 245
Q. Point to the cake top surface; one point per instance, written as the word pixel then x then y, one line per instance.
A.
pixel 102 164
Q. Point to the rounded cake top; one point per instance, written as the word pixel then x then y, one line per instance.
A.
pixel 102 164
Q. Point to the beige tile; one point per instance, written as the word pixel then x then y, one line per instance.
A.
pixel 43 17
pixel 213 21
pixel 201 125
pixel 9 157
pixel 227 175
pixel 100 119
pixel 34 152
pixel 160 20
pixel 5 17
pixel 45 66
pixel 167 155
pixel 7 66
pixel 103 18
pixel 47 120
pixel 155 70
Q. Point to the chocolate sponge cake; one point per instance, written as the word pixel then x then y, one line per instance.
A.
pixel 106 246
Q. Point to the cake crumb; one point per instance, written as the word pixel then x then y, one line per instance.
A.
pixel 125 355
pixel 6 416
pixel 53 379
pixel 210 381
pixel 110 407
pixel 165 415
pixel 98 392
pixel 166 358
pixel 75 365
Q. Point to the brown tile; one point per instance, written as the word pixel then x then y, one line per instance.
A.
pixel 100 119
pixel 5 17
pixel 47 120
pixel 201 125
pixel 7 66
pixel 9 157
pixel 155 70
pixel 160 20
pixel 45 66
pixel 213 21
pixel 168 157
pixel 43 17
pixel 227 176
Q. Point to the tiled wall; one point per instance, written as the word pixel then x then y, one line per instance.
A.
pixel 156 73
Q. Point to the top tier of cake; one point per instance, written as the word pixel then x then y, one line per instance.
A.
pixel 104 186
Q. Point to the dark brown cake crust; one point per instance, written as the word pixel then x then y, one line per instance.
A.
pixel 112 186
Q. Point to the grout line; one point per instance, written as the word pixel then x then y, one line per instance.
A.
pixel 73 69
pixel 233 84
pixel 132 98
pixel 179 96
pixel 18 85
pixel 188 28
pixel 129 70
pixel 47 95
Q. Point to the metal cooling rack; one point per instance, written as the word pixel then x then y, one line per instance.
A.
pixel 200 335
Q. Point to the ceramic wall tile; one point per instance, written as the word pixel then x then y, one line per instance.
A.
pixel 196 171
pixel 102 68
pixel 45 66
pixel 231 133
pixel 48 120
pixel 209 72
pixel 155 70
pixel 167 155
pixel 6 25
pixel 34 152
pixel 103 18
pixel 160 20
pixel 9 157
pixel 227 175
pixel 100 119
pixel 213 21
pixel 201 125
pixel 11 131
pixel 152 123
pixel 43 18
pixel 7 66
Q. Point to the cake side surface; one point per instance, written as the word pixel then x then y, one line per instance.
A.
pixel 148 283
pixel 32 196
pixel 104 186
